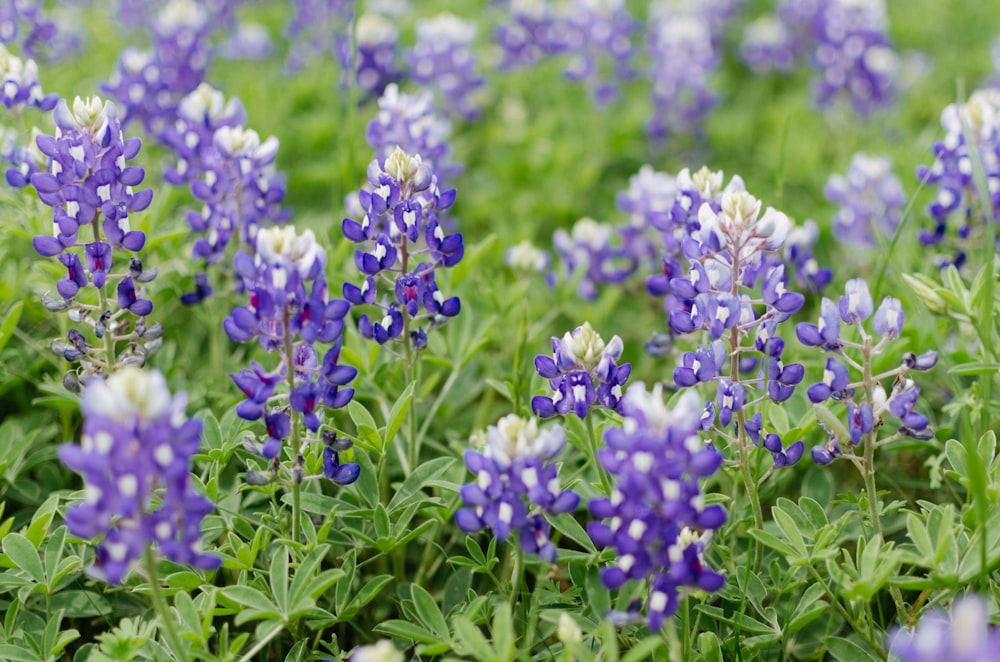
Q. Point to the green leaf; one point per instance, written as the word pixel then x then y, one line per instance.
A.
pixel 919 536
pixel 279 580
pixel 406 630
pixel 24 555
pixel 774 542
pixel 975 368
pixel 397 415
pixel 410 489
pixel 368 437
pixel 469 640
pixel 503 632
pixel 644 649
pixel 428 611
pixel 381 522
pixel 304 582
pixel 807 609
pixel 17 653
pixel 709 647
pixel 10 322
pixel 789 527
pixel 567 525
pixel 848 651
pixel 81 604
pixel 371 588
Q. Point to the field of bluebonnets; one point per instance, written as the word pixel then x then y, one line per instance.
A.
pixel 499 330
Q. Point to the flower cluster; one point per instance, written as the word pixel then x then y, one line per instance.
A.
pixel 864 415
pixel 588 250
pixel 767 45
pixel 854 56
pixel 963 635
pixel 289 312
pixel 89 188
pixel 734 290
pixel 319 28
pixel 135 457
pixel 27 24
pixel 598 39
pixel 149 85
pixel 237 184
pixel 411 122
pixel 870 197
pixel 958 201
pixel 531 32
pixel 683 56
pixel 516 486
pixel 376 67
pixel 404 244
pixel 656 517
pixel 19 86
pixel 583 372
pixel 442 60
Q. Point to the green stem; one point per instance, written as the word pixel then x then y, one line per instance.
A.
pixel 295 441
pixel 593 446
pixel 160 606
pixel 865 633
pixel 249 655
pixel 516 573
pixel 414 437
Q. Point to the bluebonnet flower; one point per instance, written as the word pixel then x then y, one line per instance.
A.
pixel 376 67
pixel 588 248
pixel 516 485
pixel 89 187
pixel 199 115
pixel 649 202
pixel 598 39
pixel 583 372
pixel 531 32
pixel 289 312
pixel 768 45
pixel 525 256
pixel 27 24
pixel 870 198
pixel 19 86
pixel 241 192
pixel 854 56
pixel 963 635
pixel 403 243
pixel 150 85
pixel 683 57
pixel 442 60
pixel 866 399
pixel 958 202
pixel 249 41
pixel 656 517
pixel 135 457
pixel 800 259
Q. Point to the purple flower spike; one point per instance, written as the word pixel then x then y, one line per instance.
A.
pixel 512 475
pixel 655 517
pixel 133 409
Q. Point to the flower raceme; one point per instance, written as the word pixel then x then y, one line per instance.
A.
pixel 656 517
pixel 516 486
pixel 289 312
pixel 583 372
pixel 135 457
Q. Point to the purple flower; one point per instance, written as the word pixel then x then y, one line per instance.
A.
pixel 582 372
pixel 826 334
pixel 856 304
pixel 963 635
pixel 655 517
pixel 834 384
pixel 597 37
pixel 442 60
pixel 131 410
pixel 870 197
pixel 376 64
pixel 888 320
pixel 515 486
pixel 588 249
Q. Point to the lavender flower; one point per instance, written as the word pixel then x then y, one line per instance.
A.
pixel 588 248
pixel 289 312
pixel 583 372
pixel 870 197
pixel 515 485
pixel 319 27
pixel 150 85
pixel 963 635
pixel 19 84
pixel 656 517
pixel 598 40
pixel 683 57
pixel 442 60
pixel 531 32
pixel 135 456
pixel 854 55
pixel 768 45
pixel 25 22
pixel 403 243
pixel 376 67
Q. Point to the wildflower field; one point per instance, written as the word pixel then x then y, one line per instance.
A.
pixel 499 330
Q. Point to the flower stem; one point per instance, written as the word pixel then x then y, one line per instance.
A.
pixel 294 440
pixel 264 641
pixel 161 609
pixel 593 444
pixel 516 573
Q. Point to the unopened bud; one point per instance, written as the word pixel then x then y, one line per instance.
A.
pixel 54 305
pixel 70 382
pixel 257 478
